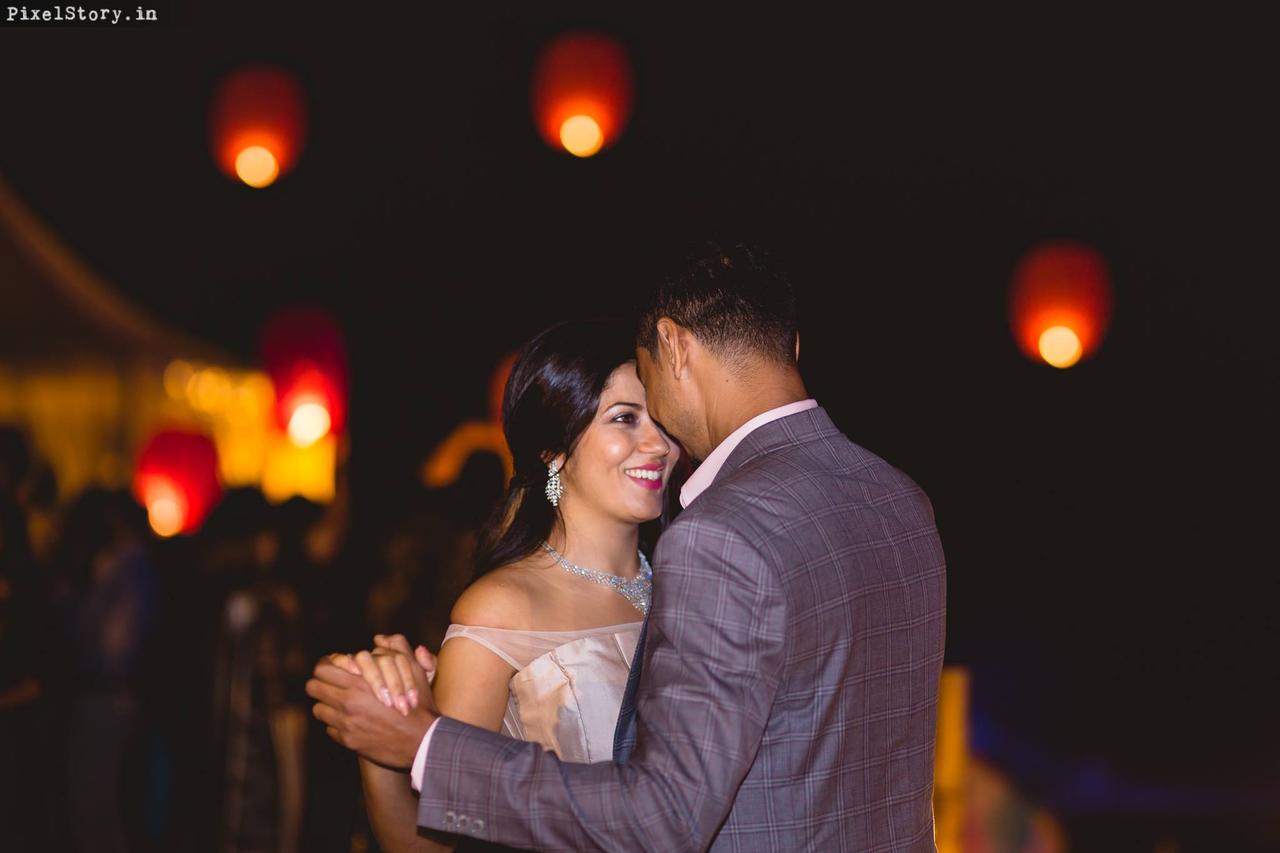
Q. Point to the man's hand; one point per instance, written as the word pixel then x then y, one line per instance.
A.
pixel 357 719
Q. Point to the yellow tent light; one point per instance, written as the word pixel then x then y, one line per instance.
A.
pixel 292 470
pixel 449 457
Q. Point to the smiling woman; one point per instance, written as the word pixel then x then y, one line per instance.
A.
pixel 574 406
pixel 542 642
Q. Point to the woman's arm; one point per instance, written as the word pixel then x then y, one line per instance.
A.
pixel 393 812
pixel 470 685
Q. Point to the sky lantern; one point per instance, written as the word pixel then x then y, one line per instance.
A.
pixel 1060 303
pixel 176 480
pixel 582 89
pixel 257 124
pixel 304 354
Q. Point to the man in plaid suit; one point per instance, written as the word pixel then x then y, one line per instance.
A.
pixel 783 695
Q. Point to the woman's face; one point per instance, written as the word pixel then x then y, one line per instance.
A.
pixel 623 460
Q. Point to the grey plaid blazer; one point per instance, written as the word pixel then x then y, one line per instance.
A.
pixel 789 676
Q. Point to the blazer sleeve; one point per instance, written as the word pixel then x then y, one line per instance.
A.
pixel 713 661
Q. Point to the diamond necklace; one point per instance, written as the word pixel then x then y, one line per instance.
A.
pixel 637 591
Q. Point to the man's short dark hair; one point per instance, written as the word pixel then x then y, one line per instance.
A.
pixel 733 300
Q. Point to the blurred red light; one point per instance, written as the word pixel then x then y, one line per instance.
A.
pixel 176 479
pixel 1060 303
pixel 582 92
pixel 257 124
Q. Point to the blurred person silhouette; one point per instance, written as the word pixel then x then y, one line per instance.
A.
pixel 26 773
pixel 429 556
pixel 108 602
pixel 295 523
pixel 259 714
pixel 302 614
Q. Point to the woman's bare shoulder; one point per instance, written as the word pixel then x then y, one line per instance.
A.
pixel 504 597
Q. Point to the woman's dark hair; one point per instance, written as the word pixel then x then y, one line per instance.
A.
pixel 551 396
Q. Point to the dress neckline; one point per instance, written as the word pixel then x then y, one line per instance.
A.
pixel 599 630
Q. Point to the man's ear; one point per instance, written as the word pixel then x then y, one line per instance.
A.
pixel 673 347
pixel 797 347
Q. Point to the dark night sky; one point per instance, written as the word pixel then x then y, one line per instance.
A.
pixel 1109 529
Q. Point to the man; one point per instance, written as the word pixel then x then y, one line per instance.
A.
pixel 783 695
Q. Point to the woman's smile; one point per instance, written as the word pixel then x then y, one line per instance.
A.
pixel 647 476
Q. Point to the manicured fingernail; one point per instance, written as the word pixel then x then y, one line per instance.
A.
pixel 402 705
pixel 386 696
pixel 413 697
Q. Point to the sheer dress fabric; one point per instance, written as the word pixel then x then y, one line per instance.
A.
pixel 568 685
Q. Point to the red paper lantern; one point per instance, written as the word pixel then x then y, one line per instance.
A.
pixel 304 354
pixel 177 480
pixel 257 124
pixel 1060 303
pixel 581 94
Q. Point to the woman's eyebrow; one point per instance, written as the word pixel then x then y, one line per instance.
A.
pixel 623 403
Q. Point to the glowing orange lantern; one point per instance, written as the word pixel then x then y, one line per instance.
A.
pixel 177 481
pixel 498 385
pixel 582 89
pixel 257 124
pixel 1060 303
pixel 446 462
pixel 304 354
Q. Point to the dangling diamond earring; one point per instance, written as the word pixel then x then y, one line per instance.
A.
pixel 554 487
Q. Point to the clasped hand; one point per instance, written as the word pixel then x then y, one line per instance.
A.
pixel 377 703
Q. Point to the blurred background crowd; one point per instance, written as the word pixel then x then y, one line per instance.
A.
pixel 151 690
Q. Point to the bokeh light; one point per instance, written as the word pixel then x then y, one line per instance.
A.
pixel 309 423
pixel 166 508
pixel 581 93
pixel 581 136
pixel 1060 303
pixel 176 378
pixel 257 166
pixel 304 354
pixel 257 124
pixel 1060 346
pixel 177 480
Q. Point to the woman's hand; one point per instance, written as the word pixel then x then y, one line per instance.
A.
pixel 397 642
pixel 387 669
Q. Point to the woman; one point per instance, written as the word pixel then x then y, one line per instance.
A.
pixel 541 642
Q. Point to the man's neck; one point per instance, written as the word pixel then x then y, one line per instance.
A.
pixel 742 401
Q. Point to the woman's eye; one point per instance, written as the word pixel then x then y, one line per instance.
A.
pixel 627 418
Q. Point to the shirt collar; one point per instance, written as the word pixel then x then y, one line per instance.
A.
pixel 706 473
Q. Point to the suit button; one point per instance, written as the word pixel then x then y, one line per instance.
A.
pixel 450 818
pixel 464 823
pixel 478 824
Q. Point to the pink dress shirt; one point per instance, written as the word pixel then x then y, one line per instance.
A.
pixel 694 486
